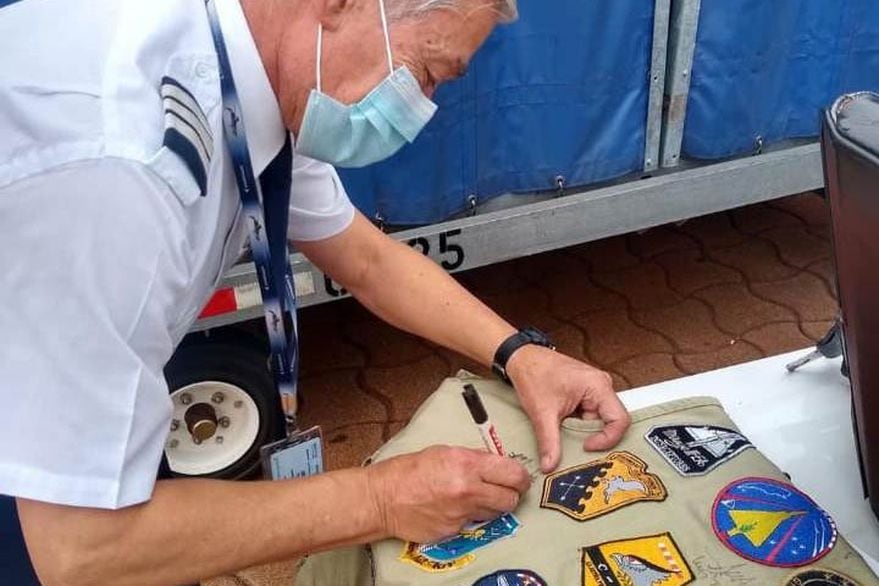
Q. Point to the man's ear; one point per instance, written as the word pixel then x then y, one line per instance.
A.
pixel 334 11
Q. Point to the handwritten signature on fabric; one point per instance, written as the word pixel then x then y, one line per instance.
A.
pixel 720 575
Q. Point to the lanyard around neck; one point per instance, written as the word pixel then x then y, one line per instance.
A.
pixel 275 279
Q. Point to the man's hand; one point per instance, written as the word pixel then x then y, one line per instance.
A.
pixel 413 293
pixel 552 386
pixel 431 495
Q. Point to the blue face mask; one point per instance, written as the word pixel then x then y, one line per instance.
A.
pixel 373 129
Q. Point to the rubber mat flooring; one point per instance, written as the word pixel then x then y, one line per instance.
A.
pixel 673 301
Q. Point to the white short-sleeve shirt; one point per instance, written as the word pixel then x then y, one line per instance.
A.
pixel 118 216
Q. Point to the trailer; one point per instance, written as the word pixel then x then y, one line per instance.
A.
pixel 574 124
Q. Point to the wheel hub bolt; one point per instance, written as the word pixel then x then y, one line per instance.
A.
pixel 219 439
pixel 225 422
pixel 175 424
pixel 201 422
pixel 218 398
pixel 173 444
pixel 186 398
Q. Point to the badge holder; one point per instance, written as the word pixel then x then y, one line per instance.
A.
pixel 298 455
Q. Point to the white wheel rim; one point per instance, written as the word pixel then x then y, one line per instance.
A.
pixel 227 445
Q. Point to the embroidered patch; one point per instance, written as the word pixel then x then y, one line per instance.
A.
pixel 187 132
pixel 457 552
pixel 694 450
pixel 511 578
pixel 820 578
pixel 601 486
pixel 772 523
pixel 645 561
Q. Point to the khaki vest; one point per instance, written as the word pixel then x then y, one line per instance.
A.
pixel 684 498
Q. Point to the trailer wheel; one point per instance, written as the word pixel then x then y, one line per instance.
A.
pixel 225 409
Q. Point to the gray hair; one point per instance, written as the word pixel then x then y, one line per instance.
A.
pixel 398 9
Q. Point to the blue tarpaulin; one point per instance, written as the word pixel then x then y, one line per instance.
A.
pixel 562 92
pixel 766 68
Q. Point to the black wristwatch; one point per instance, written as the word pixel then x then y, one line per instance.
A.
pixel 521 338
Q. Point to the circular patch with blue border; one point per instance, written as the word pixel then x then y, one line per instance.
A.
pixel 772 523
pixel 511 578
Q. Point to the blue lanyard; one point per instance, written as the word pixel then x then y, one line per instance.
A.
pixel 275 278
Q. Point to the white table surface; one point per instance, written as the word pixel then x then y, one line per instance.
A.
pixel 800 421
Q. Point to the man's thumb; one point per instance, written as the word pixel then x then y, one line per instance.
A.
pixel 546 428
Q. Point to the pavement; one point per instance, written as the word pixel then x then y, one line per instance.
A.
pixel 673 301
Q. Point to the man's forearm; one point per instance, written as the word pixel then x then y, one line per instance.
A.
pixel 411 292
pixel 194 529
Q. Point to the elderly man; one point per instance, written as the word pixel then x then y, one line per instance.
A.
pixel 119 206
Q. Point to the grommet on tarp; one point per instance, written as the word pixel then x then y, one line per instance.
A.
pixel 472 201
pixel 379 222
pixel 559 185
pixel 758 145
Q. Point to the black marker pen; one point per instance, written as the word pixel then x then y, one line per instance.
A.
pixel 480 417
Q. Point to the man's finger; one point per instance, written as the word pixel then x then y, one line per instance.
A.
pixel 616 422
pixel 504 472
pixel 546 428
pixel 497 500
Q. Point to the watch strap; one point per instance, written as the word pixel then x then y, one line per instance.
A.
pixel 508 347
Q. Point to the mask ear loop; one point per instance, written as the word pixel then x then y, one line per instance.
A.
pixel 320 43
pixel 381 4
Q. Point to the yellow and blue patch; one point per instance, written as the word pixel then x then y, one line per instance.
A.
pixel 601 486
pixel 641 561
pixel 772 523
pixel 458 551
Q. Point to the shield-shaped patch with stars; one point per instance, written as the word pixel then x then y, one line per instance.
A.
pixel 601 486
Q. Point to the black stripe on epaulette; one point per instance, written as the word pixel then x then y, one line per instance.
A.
pixel 174 101
pixel 188 108
pixel 189 124
pixel 184 149
pixel 175 83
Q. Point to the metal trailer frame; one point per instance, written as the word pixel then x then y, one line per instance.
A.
pixel 681 48
pixel 667 191
pixel 661 23
pixel 495 237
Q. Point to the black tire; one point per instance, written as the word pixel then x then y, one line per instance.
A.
pixel 240 364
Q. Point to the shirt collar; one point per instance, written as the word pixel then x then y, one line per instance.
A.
pixel 266 133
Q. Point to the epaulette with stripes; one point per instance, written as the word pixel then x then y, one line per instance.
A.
pixel 187 132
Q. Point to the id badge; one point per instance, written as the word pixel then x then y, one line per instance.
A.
pixel 297 456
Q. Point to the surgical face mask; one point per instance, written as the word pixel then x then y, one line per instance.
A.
pixel 373 129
